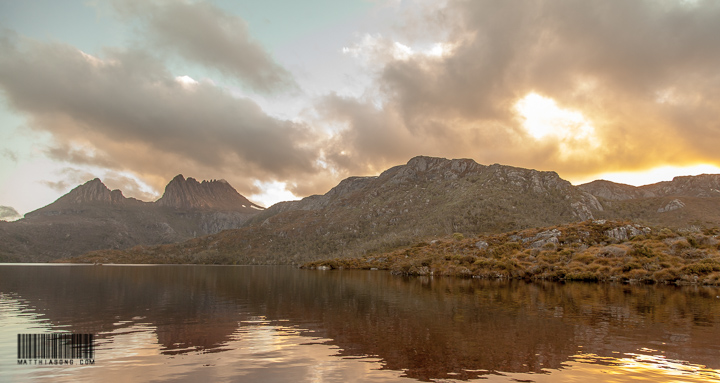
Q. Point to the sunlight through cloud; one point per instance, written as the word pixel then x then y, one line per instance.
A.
pixel 272 193
pixel 541 117
pixel 186 81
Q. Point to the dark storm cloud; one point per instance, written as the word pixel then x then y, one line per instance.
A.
pixel 645 73
pixel 202 33
pixel 125 111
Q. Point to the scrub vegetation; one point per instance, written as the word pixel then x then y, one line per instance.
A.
pixel 596 250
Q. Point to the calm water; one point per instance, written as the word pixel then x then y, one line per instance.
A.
pixel 280 324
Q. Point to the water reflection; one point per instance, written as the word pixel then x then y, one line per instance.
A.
pixel 254 323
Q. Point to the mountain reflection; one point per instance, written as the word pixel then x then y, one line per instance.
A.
pixel 428 328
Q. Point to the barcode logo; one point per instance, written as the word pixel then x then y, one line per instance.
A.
pixel 55 346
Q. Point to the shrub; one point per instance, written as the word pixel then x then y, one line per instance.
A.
pixel 584 275
pixel 701 267
pixel 611 252
pixel 693 253
pixel 506 249
pixel 584 258
pixel 641 250
pixel 485 263
pixel 631 266
pixel 666 275
pixel 666 233
pixel 639 274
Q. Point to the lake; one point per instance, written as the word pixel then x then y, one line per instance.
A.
pixel 281 324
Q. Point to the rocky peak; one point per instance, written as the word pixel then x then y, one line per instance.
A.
pixel 431 168
pixel 92 191
pixel 188 193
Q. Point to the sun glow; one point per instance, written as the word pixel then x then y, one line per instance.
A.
pixel 187 82
pixel 651 176
pixel 542 117
pixel 271 193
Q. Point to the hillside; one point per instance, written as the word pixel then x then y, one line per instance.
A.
pixel 92 217
pixel 691 202
pixel 594 250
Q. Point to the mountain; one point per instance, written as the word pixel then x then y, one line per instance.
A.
pixel 92 217
pixel 689 202
pixel 704 185
pixel 183 193
pixel 423 198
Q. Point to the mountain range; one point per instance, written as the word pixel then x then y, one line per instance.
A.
pixel 92 217
pixel 430 197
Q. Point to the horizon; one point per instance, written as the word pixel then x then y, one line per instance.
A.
pixel 285 99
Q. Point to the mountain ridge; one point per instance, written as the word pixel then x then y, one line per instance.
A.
pixel 703 185
pixel 424 198
pixel 92 217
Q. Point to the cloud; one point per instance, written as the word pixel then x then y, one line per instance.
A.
pixel 126 112
pixel 7 213
pixel 203 33
pixel 634 85
pixel 643 74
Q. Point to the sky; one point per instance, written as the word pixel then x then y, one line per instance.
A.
pixel 283 99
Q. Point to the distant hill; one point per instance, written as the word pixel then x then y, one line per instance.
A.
pixel 691 202
pixel 704 185
pixel 92 217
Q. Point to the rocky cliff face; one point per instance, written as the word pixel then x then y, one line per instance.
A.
pixel 188 193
